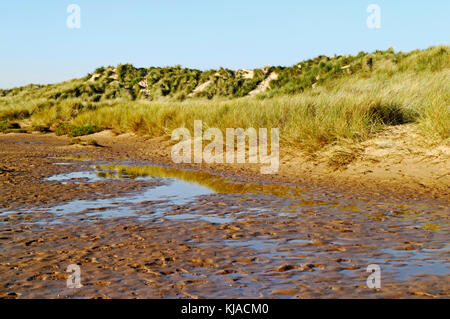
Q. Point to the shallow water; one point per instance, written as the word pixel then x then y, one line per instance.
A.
pixel 28 142
pixel 293 224
pixel 183 187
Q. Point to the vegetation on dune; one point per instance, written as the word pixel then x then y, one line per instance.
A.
pixel 74 131
pixel 10 127
pixel 314 103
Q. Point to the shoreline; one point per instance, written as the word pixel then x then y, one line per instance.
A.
pixel 413 177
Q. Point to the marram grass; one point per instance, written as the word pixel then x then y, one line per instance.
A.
pixel 393 89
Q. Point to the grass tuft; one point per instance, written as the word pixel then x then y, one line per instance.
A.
pixel 79 141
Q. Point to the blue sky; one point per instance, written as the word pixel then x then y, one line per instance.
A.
pixel 36 46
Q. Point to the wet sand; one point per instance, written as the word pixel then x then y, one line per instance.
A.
pixel 216 235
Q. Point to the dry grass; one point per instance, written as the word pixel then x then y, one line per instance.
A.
pixel 414 90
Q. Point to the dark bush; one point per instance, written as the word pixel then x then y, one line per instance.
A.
pixel 391 114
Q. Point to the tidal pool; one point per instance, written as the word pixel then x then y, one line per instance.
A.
pixel 290 233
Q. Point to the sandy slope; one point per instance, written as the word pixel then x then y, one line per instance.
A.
pixel 264 85
pixel 398 161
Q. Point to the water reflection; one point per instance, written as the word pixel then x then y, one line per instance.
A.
pixel 215 183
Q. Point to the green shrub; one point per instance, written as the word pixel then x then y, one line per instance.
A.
pixel 63 129
pixel 83 130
